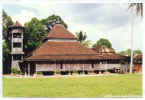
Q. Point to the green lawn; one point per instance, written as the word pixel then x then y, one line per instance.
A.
pixel 91 86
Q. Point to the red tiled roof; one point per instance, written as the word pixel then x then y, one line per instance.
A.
pixel 65 57
pixel 59 32
pixel 63 50
pixel 56 50
pixel 112 56
pixel 107 53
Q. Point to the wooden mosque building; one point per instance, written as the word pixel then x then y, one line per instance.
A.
pixel 62 52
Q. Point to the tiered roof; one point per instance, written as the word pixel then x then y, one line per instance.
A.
pixel 107 53
pixel 62 50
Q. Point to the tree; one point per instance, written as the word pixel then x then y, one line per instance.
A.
pixel 137 52
pixel 87 43
pixel 102 42
pixel 6 58
pixel 6 22
pixel 128 52
pixel 81 37
pixel 139 9
pixel 125 52
pixel 50 21
pixel 34 32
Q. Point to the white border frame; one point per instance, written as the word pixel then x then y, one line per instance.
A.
pixel 64 2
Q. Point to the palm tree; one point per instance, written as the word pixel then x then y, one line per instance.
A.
pixel 87 43
pixel 139 11
pixel 139 8
pixel 81 37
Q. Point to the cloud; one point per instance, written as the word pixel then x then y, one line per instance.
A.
pixel 23 16
pixel 110 21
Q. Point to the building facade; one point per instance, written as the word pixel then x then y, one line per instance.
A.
pixel 62 52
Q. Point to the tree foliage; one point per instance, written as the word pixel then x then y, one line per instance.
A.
pixel 6 22
pixel 87 43
pixel 103 42
pixel 6 58
pixel 37 29
pixel 50 21
pixel 139 8
pixel 81 37
pixel 34 32
pixel 128 52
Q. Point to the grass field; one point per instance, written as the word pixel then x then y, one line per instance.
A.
pixel 91 86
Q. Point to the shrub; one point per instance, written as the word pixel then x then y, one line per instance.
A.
pixel 39 73
pixel 15 71
pixel 57 72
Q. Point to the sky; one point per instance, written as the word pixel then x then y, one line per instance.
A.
pixel 99 20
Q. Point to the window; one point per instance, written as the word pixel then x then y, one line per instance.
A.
pixel 16 35
pixel 16 57
pixel 17 45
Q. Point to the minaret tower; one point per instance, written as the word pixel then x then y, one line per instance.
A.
pixel 16 31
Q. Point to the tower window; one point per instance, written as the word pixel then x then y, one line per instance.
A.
pixel 18 45
pixel 16 35
pixel 17 57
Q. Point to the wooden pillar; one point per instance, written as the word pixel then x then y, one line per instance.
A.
pixel 35 70
pixel 100 72
pixel 69 70
pixel 55 68
pixel 28 69
pixel 83 69
pixel 64 67
pixel 25 70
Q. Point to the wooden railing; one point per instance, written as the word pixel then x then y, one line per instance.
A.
pixel 69 67
pixel 17 39
pixel 17 49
